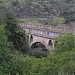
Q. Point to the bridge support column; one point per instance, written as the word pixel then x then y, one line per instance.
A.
pixel 53 43
pixel 46 32
pixel 29 38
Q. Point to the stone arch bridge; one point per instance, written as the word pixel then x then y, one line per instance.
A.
pixel 44 34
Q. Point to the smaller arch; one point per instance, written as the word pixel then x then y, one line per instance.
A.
pixel 31 38
pixel 50 43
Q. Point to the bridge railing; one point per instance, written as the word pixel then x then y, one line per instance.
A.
pixel 47 27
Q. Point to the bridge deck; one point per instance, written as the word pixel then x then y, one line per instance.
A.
pixel 45 30
pixel 48 28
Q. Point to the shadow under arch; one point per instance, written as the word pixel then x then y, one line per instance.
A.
pixel 39 45
pixel 50 43
pixel 39 50
pixel 31 38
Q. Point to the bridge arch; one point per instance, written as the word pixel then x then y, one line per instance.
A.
pixel 48 43
pixel 42 43
pixel 37 45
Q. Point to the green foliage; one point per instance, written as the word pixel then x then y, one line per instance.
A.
pixel 18 64
pixel 52 65
pixel 16 36
pixel 7 62
pixel 60 11
pixel 58 21
pixel 65 42
pixel 14 63
pixel 3 42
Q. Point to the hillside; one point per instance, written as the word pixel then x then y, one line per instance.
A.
pixel 16 58
pixel 54 10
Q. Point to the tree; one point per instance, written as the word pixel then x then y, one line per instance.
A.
pixel 16 35
pixel 65 42
pixel 5 57
pixel 9 64
pixel 58 21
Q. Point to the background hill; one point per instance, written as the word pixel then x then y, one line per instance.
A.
pixel 55 10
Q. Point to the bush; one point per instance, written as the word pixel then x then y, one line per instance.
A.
pixel 16 35
pixel 65 42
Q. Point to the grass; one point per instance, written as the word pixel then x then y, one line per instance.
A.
pixel 29 21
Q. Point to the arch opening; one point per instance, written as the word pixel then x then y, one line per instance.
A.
pixel 39 45
pixel 38 49
pixel 50 43
pixel 31 38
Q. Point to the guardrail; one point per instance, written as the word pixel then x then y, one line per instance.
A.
pixel 47 27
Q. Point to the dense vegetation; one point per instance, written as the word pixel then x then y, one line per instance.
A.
pixel 14 51
pixel 16 36
pixel 57 11
pixel 14 63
